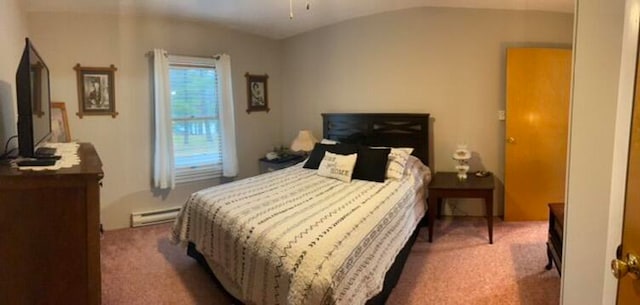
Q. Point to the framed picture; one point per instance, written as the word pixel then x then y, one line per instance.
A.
pixel 96 91
pixel 257 93
pixel 59 123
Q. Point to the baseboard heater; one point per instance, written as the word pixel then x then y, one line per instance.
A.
pixel 139 219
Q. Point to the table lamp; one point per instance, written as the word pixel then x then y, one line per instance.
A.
pixel 462 156
pixel 304 142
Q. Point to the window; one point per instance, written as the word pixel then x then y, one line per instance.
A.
pixel 197 143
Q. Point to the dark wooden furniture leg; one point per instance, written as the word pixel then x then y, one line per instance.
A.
pixel 550 258
pixel 488 200
pixel 432 211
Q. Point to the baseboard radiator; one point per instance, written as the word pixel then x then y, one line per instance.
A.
pixel 139 219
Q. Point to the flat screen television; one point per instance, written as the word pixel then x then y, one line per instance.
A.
pixel 34 101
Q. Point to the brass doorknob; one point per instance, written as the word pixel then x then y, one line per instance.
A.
pixel 511 140
pixel 630 265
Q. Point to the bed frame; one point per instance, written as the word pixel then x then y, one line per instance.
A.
pixel 373 129
pixel 380 129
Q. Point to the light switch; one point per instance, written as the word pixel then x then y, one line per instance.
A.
pixel 501 115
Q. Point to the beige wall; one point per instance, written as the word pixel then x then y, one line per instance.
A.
pixel 13 30
pixel 125 143
pixel 447 62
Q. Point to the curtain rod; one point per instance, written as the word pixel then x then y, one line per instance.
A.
pixel 150 54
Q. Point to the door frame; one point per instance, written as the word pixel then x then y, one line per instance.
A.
pixel 610 30
pixel 622 135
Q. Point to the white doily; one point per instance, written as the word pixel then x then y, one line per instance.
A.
pixel 68 153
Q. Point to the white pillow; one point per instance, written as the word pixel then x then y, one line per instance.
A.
pixel 329 142
pixel 397 161
pixel 337 166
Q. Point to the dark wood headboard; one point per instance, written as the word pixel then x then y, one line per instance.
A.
pixel 380 129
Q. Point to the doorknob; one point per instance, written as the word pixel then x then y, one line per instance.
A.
pixel 630 265
pixel 511 140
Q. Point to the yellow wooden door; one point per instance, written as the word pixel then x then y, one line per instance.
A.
pixel 537 116
pixel 629 288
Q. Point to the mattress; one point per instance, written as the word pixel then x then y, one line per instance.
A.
pixel 293 237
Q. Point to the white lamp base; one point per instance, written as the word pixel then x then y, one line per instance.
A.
pixel 462 172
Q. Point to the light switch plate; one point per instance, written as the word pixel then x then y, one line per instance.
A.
pixel 501 115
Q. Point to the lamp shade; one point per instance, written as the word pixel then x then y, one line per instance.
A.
pixel 304 141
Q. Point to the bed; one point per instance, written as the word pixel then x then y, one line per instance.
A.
pixel 293 237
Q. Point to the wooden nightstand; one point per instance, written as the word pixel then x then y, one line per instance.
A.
pixel 279 163
pixel 446 185
pixel 556 228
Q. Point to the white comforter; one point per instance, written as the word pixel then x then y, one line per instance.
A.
pixel 293 237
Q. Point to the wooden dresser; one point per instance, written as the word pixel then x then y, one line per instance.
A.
pixel 49 233
pixel 556 232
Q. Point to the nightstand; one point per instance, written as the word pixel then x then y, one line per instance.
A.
pixel 556 228
pixel 279 163
pixel 446 185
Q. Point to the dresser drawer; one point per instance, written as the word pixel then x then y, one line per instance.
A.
pixel 556 234
pixel 557 228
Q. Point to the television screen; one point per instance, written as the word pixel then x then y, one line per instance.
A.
pixel 34 102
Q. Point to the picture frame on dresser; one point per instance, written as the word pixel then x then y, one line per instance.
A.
pixel 60 132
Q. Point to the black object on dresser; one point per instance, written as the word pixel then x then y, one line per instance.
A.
pixel 554 243
pixel 279 163
pixel 49 233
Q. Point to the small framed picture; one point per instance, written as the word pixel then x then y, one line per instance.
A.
pixel 96 91
pixel 257 93
pixel 59 123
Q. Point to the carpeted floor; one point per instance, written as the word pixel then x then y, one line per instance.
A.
pixel 141 266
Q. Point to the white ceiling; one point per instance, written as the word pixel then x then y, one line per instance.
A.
pixel 270 18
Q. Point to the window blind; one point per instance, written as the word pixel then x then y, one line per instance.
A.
pixel 197 142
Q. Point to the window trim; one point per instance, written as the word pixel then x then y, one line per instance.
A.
pixel 208 171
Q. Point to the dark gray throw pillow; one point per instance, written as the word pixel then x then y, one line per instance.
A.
pixel 371 164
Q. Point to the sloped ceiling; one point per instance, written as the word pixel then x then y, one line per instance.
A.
pixel 270 18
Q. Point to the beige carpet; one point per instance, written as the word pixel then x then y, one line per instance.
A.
pixel 141 266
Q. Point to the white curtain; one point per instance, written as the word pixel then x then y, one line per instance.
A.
pixel 227 118
pixel 163 169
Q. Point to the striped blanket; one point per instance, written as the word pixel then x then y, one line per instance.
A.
pixel 292 237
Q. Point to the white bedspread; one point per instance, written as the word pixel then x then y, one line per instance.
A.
pixel 293 237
